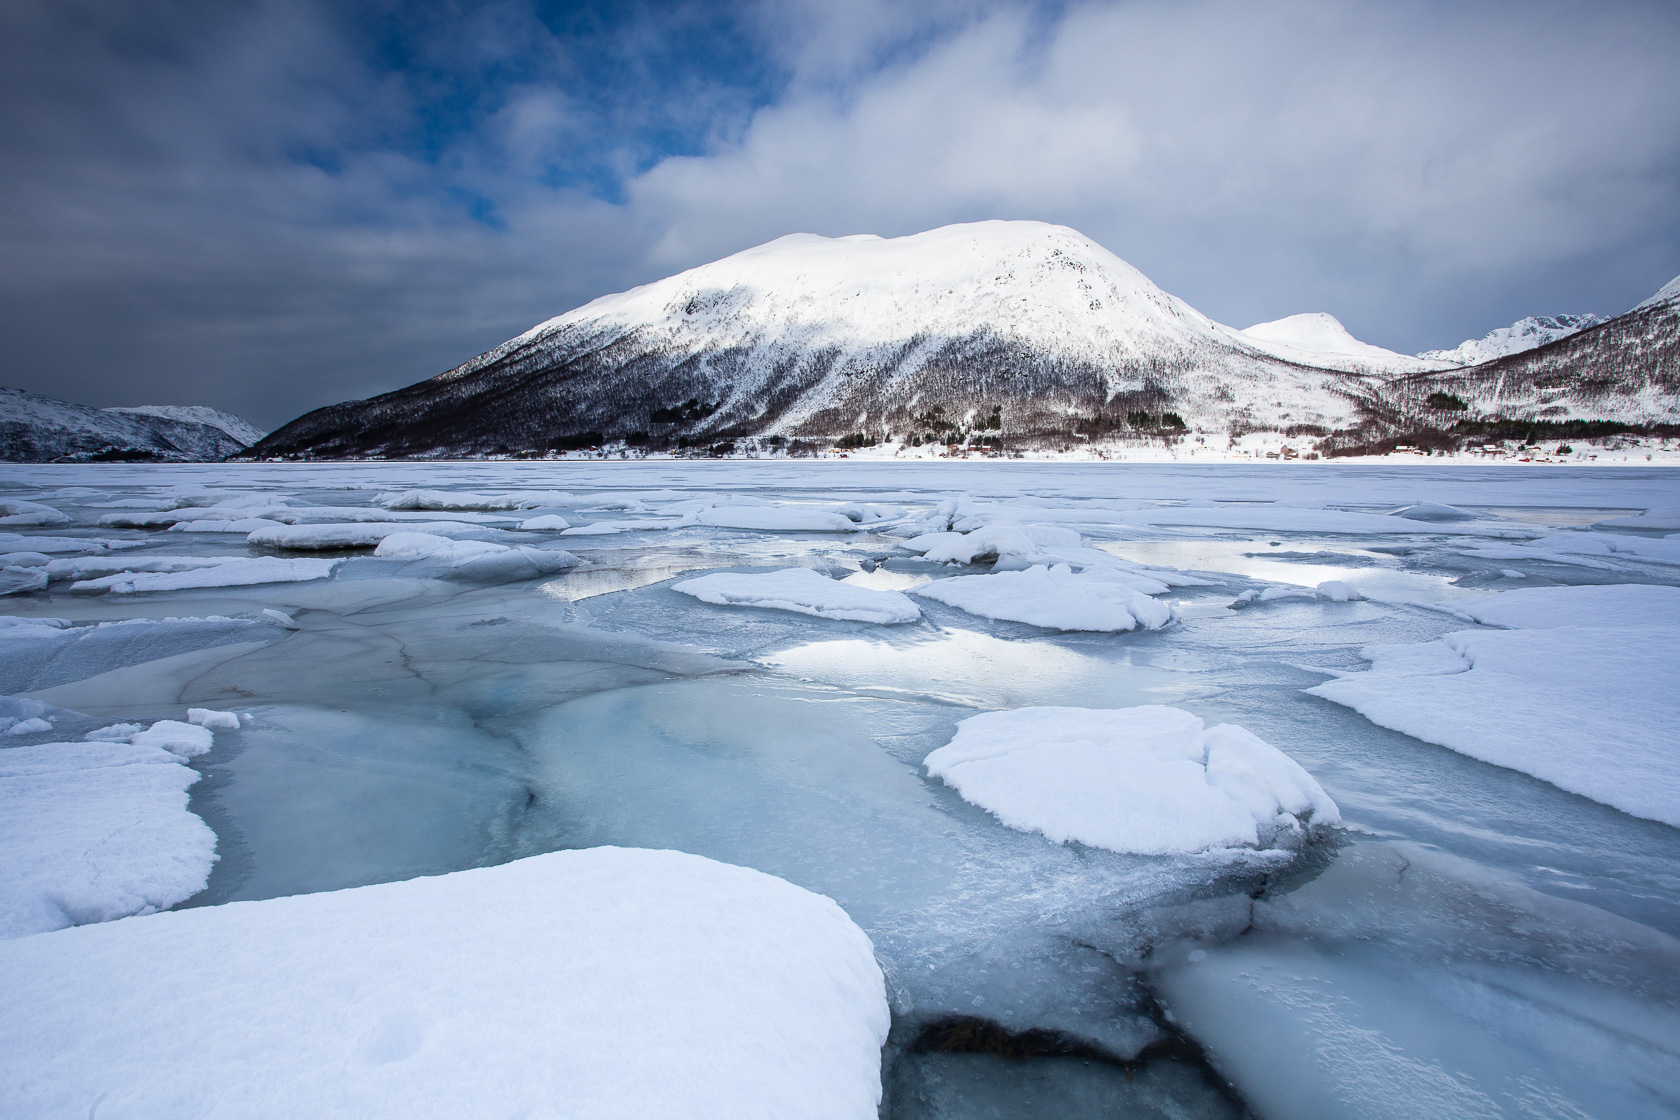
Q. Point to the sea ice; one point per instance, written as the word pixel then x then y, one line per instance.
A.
pixel 213 720
pixel 773 519
pixel 1590 710
pixel 606 982
pixel 1331 590
pixel 93 831
pixel 545 521
pixel 20 513
pixel 479 561
pixel 1053 597
pixel 353 534
pixel 801 590
pixel 1151 780
pixel 242 572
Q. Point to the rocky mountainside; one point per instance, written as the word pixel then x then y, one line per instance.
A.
pixel 1624 371
pixel 37 429
pixel 1023 329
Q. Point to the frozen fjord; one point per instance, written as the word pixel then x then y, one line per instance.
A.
pixel 413 715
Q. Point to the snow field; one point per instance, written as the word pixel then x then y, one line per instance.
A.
pixel 605 982
pixel 1151 780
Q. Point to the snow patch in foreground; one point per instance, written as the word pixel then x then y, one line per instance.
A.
pixel 606 982
pixel 1150 780
pixel 1053 597
pixel 804 591
pixel 98 830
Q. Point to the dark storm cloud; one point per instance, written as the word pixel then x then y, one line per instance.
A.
pixel 268 207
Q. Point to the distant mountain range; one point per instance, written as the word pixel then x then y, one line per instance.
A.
pixel 1020 330
pixel 34 428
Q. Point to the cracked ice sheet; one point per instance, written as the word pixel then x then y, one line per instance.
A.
pixel 1405 983
pixel 619 984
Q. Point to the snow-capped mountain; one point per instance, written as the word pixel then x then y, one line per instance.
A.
pixel 34 428
pixel 1319 339
pixel 1668 293
pixel 1524 334
pixel 816 336
pixel 1021 328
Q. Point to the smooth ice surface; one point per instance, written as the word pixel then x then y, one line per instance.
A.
pixel 1149 779
pixel 603 983
pixel 803 591
pixel 1053 597
pixel 95 831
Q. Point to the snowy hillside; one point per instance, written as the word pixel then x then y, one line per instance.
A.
pixel 1625 370
pixel 815 336
pixel 1524 334
pixel 34 428
pixel 238 427
pixel 1319 339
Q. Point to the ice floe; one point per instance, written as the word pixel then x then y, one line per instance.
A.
pixel 773 519
pixel 479 561
pixel 354 534
pixel 803 591
pixel 1584 699
pixel 94 831
pixel 1056 598
pixel 606 983
pixel 1331 590
pixel 241 572
pixel 1150 779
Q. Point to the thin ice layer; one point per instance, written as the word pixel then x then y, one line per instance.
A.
pixel 803 591
pixel 606 982
pixel 95 831
pixel 1053 597
pixel 1148 779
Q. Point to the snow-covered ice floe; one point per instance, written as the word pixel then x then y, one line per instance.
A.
pixel 1056 598
pixel 1581 696
pixel 1151 779
pixel 1331 590
pixel 478 561
pixel 601 983
pixel 773 519
pixel 804 591
pixel 240 572
pixel 99 830
pixel 353 534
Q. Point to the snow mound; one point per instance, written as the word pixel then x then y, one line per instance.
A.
pixel 601 983
pixel 1150 780
pixel 546 521
pixel 803 591
pixel 1524 334
pixel 243 572
pixel 772 519
pixel 183 740
pixel 15 579
pixel 95 831
pixel 1056 598
pixel 212 719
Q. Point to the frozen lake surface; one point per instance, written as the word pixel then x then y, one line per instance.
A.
pixel 428 668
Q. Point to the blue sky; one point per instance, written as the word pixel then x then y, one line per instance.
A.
pixel 272 206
